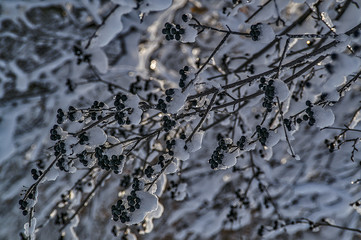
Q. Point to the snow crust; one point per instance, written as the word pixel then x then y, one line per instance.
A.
pixel 324 117
pixel 149 203
pixel 97 136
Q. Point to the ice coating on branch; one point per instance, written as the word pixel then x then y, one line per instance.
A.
pixel 180 193
pixel 161 184
pixel 267 34
pixel 341 66
pixel 63 134
pixel 323 117
pixel 189 35
pixel 125 3
pixel 229 160
pixel 179 151
pixel 133 102
pixel 356 119
pixel 97 136
pixel 149 218
pixel 178 101
pixel 30 231
pixel 116 150
pixel 196 143
pixel 172 168
pixel 154 5
pixel 149 203
pixel 52 175
pixel 69 230
pixel 281 90
pixel 131 236
pixel 88 187
pixel 112 26
pixel 273 138
pixel 327 19
pixel 98 59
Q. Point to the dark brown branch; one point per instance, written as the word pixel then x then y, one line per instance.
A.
pixel 209 59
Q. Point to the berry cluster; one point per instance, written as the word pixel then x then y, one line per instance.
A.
pixel 255 31
pixel 82 158
pixel 59 116
pixel 83 138
pixel 269 92
pixel 287 123
pixel 105 163
pixel 172 31
pixel 149 171
pixel 243 199
pixel 71 113
pixel 330 67
pixel 121 118
pixel 182 136
pixel 260 231
pixel 93 113
pixel 120 211
pixel 23 204
pixel 170 145
pixel 232 216
pixel 54 135
pixel 169 93
pixel 307 117
pixel 185 18
pixel 119 101
pixel 70 85
pixel 137 172
pixel 172 188
pixel 136 86
pixel 218 154
pixel 125 181
pixel 161 160
pixel 62 164
pixel 61 218
pixel 168 123
pixel 262 134
pixel 136 184
pixel 59 148
pixel 330 145
pixel 162 106
pixel 241 142
pixel 81 57
pixel 184 76
pixel 36 174
pixel 309 114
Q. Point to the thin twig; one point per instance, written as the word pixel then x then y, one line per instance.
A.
pixel 284 127
pixel 203 118
pixel 209 59
pixel 282 57
pixel 32 187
